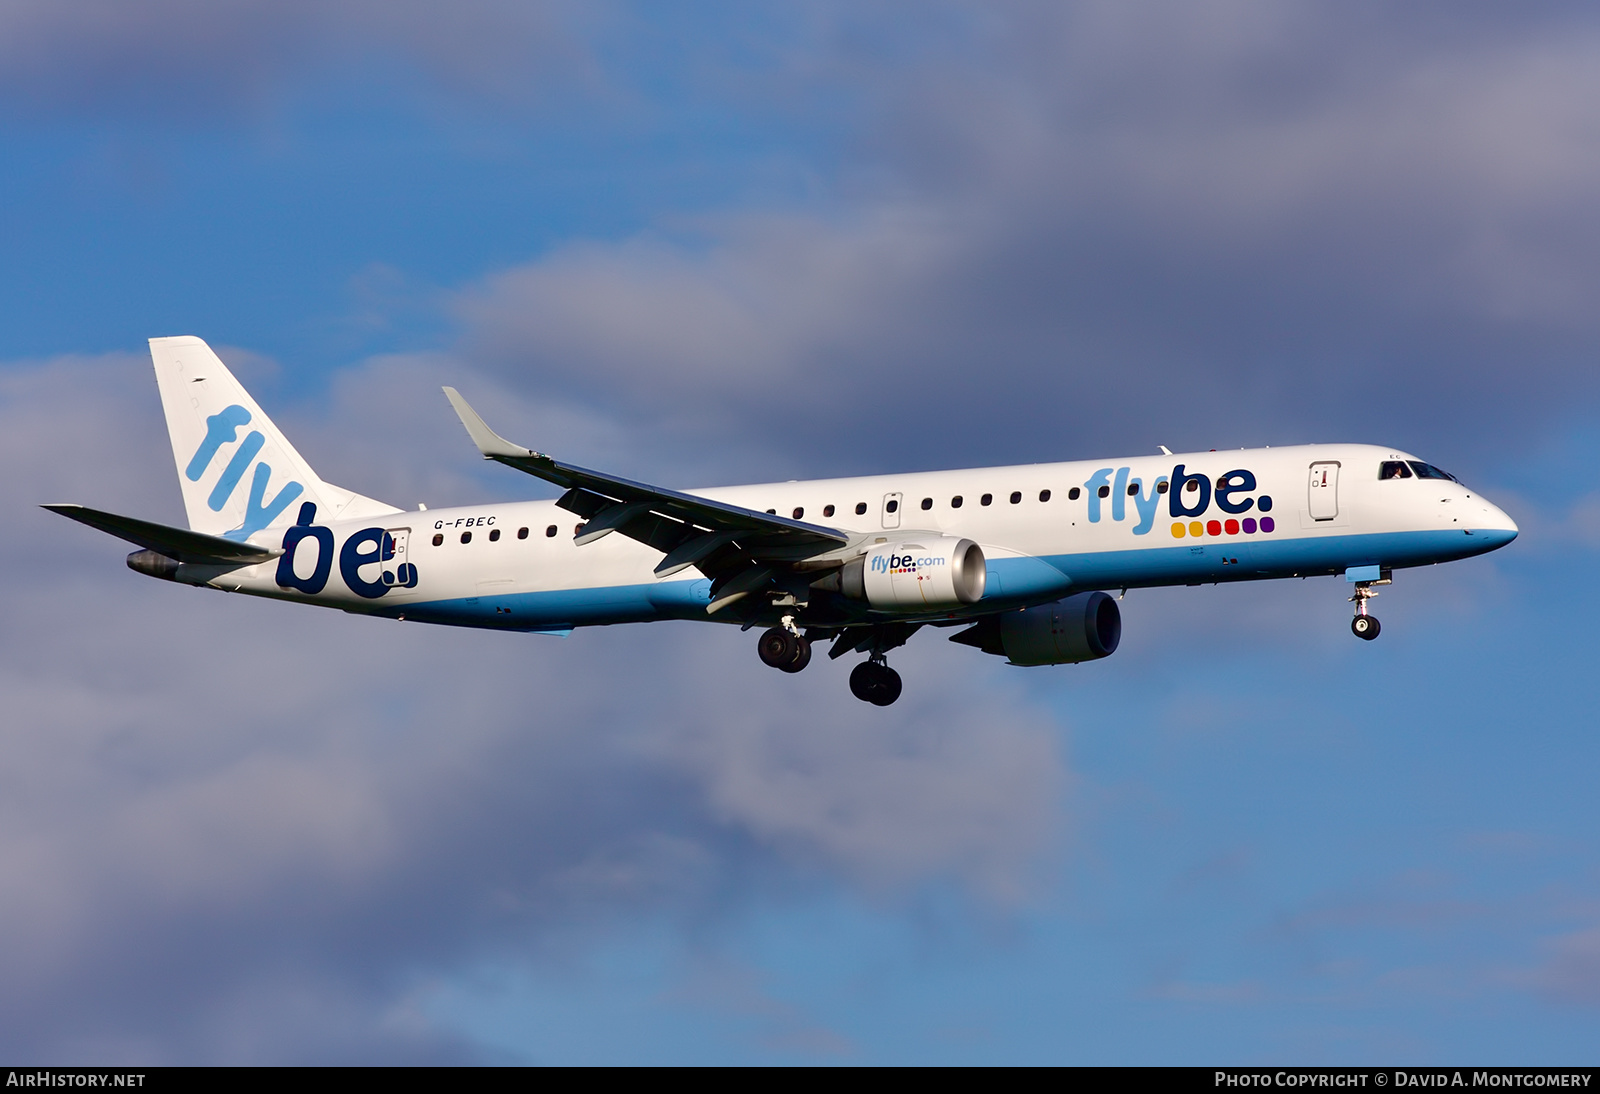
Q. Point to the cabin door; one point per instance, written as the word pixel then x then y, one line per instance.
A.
pixel 397 568
pixel 1323 491
pixel 891 510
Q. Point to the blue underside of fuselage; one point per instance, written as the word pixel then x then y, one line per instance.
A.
pixel 1013 582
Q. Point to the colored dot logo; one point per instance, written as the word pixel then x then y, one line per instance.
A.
pixel 1249 526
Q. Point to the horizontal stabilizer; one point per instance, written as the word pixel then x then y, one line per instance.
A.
pixel 177 543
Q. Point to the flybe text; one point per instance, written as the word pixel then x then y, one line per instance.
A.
pixel 1188 494
pixel 893 564
pixel 222 428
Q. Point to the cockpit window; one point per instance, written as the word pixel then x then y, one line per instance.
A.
pixel 1428 471
pixel 1394 469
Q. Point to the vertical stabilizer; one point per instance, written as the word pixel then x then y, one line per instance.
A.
pixel 239 474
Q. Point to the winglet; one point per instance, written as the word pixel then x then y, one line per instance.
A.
pixel 490 443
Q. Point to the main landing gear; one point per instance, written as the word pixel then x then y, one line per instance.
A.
pixel 874 682
pixel 786 649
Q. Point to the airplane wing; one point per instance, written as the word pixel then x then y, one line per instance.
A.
pixel 178 543
pixel 729 543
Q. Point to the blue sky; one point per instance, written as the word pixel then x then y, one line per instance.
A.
pixel 739 242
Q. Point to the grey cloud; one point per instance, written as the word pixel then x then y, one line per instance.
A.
pixel 1571 973
pixel 1124 225
pixel 245 831
pixel 187 59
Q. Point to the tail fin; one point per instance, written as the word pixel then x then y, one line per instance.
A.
pixel 239 474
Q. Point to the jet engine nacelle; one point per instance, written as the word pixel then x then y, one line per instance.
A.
pixel 1084 627
pixel 1080 628
pixel 931 572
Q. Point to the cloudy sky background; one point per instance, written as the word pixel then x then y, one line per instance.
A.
pixel 730 243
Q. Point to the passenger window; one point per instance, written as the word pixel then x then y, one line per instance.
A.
pixel 494 535
pixel 799 511
pixel 1074 494
pixel 987 499
pixel 1161 487
pixel 522 533
pixel 827 510
pixel 438 538
pixel 1133 490
pixel 550 532
pixel 894 504
pixel 466 537
pixel 955 502
pixel 772 512
pixel 1016 497
pixel 1393 469
pixel 1192 486
pixel 1104 491
pixel 861 508
pixel 927 503
pixel 1044 495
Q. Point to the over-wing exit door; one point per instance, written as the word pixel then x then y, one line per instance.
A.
pixel 1323 492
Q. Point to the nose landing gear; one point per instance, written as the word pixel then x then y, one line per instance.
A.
pixel 1364 625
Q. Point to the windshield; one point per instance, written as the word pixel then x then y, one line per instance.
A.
pixel 1408 469
pixel 1428 471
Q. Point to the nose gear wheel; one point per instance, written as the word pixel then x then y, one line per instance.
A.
pixel 1364 625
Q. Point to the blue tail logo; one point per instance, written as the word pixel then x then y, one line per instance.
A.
pixel 223 428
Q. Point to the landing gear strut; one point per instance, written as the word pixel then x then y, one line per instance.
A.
pixel 874 682
pixel 1364 625
pixel 784 649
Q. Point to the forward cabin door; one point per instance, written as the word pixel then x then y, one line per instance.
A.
pixel 1323 491
pixel 891 510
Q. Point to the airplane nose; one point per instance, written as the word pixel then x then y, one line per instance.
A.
pixel 1494 524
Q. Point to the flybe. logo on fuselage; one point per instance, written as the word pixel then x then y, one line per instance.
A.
pixel 1189 496
pixel 223 428
pixel 367 548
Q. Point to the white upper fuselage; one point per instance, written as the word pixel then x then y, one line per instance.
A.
pixel 1045 529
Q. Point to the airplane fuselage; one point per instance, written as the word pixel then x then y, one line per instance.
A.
pixel 1046 531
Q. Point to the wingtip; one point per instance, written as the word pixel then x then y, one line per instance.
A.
pixel 490 443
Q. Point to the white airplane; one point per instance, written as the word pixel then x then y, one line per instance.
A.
pixel 1019 557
